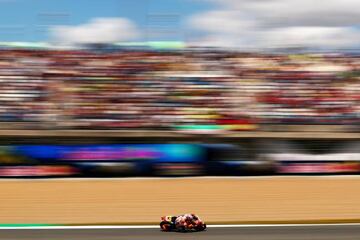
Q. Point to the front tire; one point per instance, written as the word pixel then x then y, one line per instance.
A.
pixel 201 228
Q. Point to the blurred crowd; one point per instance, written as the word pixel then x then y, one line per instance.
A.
pixel 184 90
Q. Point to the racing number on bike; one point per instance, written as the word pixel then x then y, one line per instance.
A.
pixel 168 218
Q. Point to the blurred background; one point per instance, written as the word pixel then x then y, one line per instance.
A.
pixel 187 88
pixel 118 112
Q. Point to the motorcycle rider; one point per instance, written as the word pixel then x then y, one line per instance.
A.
pixel 186 220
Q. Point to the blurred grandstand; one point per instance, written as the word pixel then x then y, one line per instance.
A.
pixel 167 86
pixel 88 110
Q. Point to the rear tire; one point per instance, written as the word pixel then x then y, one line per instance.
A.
pixel 165 226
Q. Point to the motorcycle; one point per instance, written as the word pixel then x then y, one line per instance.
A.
pixel 168 224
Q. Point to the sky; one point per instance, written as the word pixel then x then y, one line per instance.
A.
pixel 225 23
pixel 33 20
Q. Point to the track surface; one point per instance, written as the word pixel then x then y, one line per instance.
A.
pixel 141 200
pixel 246 233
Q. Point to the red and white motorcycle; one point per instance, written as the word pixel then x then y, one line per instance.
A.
pixel 169 223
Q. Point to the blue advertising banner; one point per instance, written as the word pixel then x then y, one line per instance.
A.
pixel 115 152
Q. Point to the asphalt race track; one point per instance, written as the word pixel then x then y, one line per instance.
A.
pixel 341 232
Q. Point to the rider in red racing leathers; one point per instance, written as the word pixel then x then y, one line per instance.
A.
pixel 186 220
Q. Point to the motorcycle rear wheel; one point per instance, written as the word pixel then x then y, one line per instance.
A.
pixel 165 226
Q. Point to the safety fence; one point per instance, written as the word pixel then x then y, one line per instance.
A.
pixel 126 160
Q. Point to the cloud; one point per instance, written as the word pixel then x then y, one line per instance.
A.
pixel 265 23
pixel 330 37
pixel 98 30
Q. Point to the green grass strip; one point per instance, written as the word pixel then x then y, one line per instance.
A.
pixel 27 225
